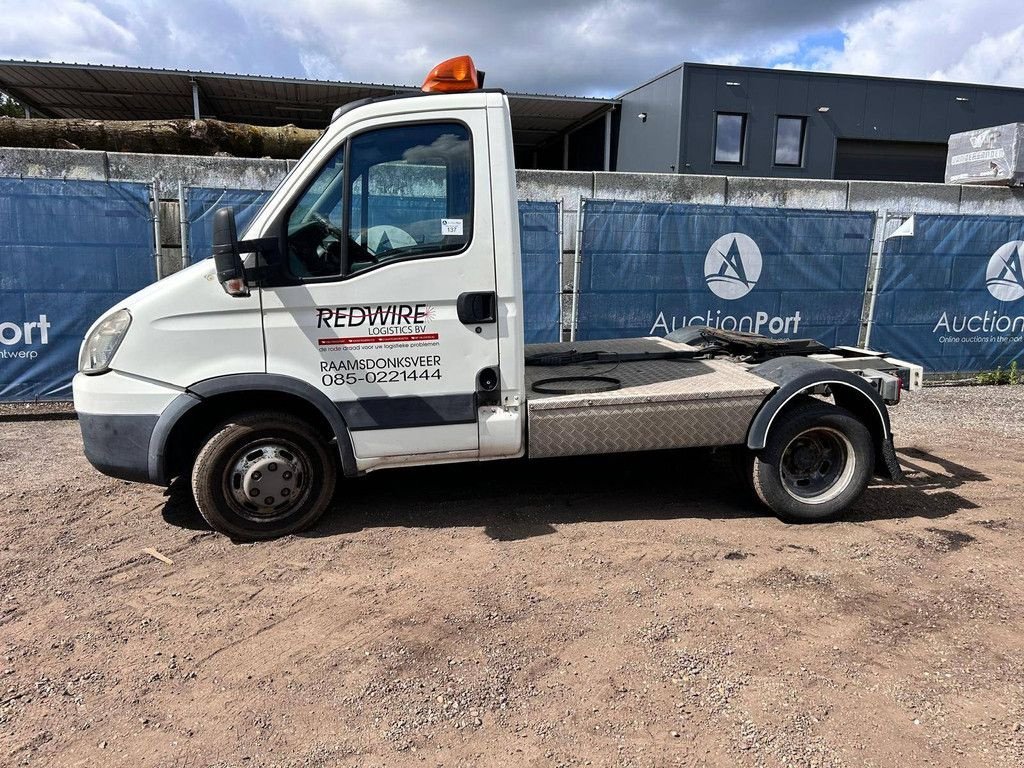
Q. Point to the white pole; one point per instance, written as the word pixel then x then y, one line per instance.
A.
pixel 576 270
pixel 155 193
pixel 561 228
pixel 876 272
pixel 183 224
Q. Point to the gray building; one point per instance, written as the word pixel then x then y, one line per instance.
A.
pixel 743 121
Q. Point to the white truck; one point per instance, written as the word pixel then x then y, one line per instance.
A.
pixel 356 329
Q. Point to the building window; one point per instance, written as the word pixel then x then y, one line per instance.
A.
pixel 730 132
pixel 789 140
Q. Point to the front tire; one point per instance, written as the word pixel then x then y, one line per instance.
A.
pixel 817 461
pixel 262 475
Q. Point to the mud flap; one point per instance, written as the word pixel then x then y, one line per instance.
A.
pixel 887 465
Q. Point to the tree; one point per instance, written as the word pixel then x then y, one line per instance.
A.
pixel 9 107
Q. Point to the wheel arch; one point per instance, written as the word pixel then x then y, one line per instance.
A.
pixel 797 377
pixel 191 416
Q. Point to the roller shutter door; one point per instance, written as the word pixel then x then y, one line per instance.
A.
pixel 890 160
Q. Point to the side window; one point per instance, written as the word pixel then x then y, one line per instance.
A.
pixel 411 193
pixel 315 224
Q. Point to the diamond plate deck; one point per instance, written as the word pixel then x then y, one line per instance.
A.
pixel 661 404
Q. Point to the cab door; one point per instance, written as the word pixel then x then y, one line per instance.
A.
pixel 386 297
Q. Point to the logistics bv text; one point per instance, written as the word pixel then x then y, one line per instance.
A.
pixel 376 323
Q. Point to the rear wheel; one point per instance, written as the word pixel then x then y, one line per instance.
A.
pixel 817 462
pixel 262 475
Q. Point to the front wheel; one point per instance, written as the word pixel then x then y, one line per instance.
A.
pixel 818 461
pixel 262 475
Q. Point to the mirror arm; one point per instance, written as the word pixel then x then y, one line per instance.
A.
pixel 265 246
pixel 267 250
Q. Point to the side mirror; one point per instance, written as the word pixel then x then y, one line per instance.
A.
pixel 230 272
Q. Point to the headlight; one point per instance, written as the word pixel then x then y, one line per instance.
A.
pixel 102 343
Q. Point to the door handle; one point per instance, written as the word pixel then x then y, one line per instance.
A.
pixel 477 307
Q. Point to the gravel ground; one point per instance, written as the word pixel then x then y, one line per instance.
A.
pixel 43 410
pixel 614 611
pixel 996 410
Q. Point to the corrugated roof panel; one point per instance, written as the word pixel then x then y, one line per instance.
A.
pixel 126 93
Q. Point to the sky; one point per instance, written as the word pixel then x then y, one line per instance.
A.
pixel 537 46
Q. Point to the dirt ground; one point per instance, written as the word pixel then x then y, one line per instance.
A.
pixel 621 611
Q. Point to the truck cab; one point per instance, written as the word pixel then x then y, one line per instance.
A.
pixel 371 317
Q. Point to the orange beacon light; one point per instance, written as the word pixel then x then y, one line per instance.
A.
pixel 452 76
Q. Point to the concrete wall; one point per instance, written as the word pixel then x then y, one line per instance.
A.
pixel 168 170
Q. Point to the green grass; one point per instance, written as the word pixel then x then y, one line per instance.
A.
pixel 1011 375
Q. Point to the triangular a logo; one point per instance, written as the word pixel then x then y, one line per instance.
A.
pixel 1004 277
pixel 733 266
pixel 732 261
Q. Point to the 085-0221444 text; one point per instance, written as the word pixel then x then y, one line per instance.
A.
pixel 380 370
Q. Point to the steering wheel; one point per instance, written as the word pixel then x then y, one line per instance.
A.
pixel 324 222
pixel 360 253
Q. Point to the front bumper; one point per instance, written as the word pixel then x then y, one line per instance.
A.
pixel 118 444
pixel 117 415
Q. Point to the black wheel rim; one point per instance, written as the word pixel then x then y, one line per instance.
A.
pixel 817 465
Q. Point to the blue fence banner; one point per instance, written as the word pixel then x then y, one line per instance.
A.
pixel 200 205
pixel 69 250
pixel 951 293
pixel 541 247
pixel 650 268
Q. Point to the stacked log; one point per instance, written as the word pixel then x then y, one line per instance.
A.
pixel 172 137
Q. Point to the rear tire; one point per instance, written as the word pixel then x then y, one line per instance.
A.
pixel 262 475
pixel 741 460
pixel 818 461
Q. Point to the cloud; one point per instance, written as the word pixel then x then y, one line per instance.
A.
pixel 993 59
pixel 979 41
pixel 575 46
pixel 73 30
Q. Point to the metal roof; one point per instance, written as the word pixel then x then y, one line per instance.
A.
pixel 126 93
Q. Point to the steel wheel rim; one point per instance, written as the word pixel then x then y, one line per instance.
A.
pixel 266 479
pixel 817 465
